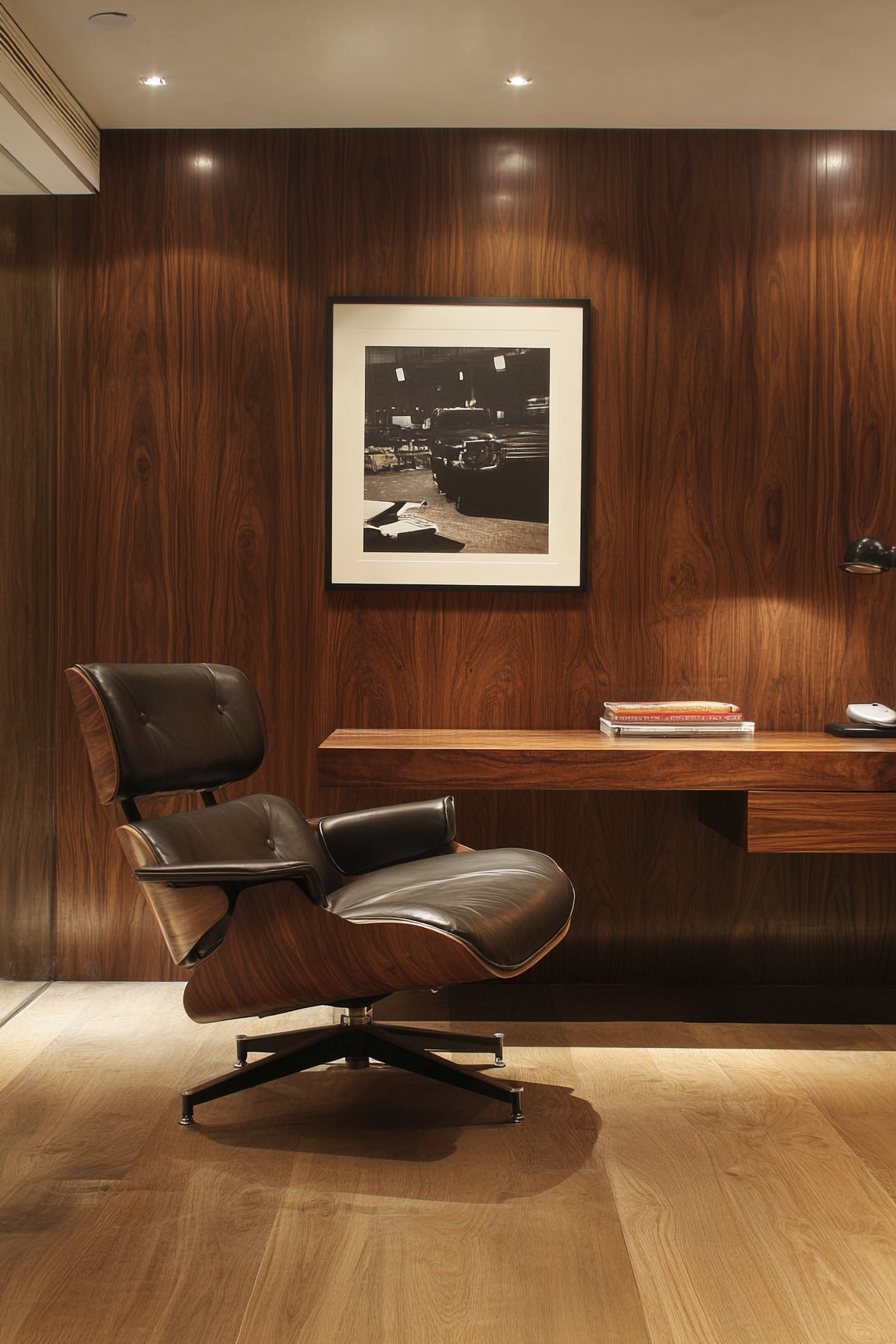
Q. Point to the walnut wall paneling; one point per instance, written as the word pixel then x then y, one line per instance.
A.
pixel 856 409
pixel 27 468
pixel 742 350
pixel 179 526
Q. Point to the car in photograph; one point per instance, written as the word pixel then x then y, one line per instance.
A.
pixel 379 452
pixel 450 427
pixel 412 454
pixel 506 474
pixel 380 459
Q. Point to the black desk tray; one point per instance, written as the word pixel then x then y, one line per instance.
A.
pixel 858 730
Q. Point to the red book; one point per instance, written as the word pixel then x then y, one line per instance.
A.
pixel 675 718
pixel 672 711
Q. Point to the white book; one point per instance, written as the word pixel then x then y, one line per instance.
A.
pixel 676 729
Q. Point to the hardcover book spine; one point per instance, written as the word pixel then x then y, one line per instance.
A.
pixel 648 730
pixel 675 718
pixel 652 708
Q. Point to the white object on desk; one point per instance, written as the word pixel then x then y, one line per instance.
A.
pixel 875 715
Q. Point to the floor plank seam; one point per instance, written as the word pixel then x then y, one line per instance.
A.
pixel 20 1007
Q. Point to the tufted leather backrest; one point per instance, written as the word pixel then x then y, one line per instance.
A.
pixel 153 728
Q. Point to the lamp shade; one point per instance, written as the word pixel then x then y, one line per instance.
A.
pixel 868 555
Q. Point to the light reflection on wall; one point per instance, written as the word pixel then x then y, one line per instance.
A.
pixel 510 167
pixel 833 161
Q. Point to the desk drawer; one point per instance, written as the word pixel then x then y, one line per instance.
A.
pixel 778 821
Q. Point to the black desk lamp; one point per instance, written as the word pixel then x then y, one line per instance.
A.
pixel 866 555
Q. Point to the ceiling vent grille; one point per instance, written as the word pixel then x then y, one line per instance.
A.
pixel 42 127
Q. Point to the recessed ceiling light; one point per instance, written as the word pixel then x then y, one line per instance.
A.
pixel 518 81
pixel 112 18
pixel 153 81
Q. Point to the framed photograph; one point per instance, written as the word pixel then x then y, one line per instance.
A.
pixel 458 443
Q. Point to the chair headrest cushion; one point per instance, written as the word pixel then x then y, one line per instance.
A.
pixel 175 727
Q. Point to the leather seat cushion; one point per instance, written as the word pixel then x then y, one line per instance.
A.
pixel 505 904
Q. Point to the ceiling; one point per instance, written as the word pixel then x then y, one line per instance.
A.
pixel 824 64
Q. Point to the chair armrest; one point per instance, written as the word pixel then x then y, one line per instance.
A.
pixel 359 842
pixel 241 875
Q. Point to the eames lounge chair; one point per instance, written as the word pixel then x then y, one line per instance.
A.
pixel 273 913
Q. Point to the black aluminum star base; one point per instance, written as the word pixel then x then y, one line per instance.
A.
pixel 357 1040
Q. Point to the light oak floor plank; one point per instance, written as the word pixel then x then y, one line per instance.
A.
pixel 740 1202
pixel 673 1183
pixel 443 1223
pixel 464 1253
pixel 15 993
pixel 701 1279
pixel 109 1223
pixel 858 1097
pixel 827 1225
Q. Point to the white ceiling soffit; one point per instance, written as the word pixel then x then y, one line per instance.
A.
pixel 46 138
pixel 822 64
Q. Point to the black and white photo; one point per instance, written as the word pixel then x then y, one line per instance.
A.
pixel 457 447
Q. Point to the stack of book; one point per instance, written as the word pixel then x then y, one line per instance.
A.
pixel 673 718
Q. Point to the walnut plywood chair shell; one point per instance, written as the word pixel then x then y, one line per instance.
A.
pixel 272 913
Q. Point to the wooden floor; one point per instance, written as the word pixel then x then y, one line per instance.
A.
pixel 14 994
pixel 673 1183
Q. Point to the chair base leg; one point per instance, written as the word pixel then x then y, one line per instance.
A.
pixel 268 1045
pixel 358 1040
pixel 455 1041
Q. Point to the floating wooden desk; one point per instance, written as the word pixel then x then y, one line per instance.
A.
pixel 775 793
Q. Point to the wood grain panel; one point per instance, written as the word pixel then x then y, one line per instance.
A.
pixel 743 349
pixel 98 740
pixel 470 759
pixel 832 823
pixel 27 484
pixel 856 368
pixel 177 484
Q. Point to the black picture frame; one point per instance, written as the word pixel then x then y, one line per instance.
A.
pixel 458 443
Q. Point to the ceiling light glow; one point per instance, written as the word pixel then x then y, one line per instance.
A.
pixel 153 81
pixel 518 81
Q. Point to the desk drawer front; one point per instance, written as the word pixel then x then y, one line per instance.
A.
pixel 779 821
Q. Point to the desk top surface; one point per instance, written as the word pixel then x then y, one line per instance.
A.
pixel 479 758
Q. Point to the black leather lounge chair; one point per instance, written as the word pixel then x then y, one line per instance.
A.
pixel 274 913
